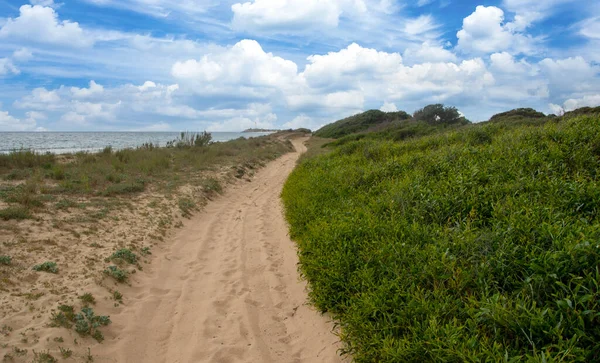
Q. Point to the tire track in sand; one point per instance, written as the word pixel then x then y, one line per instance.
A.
pixel 226 288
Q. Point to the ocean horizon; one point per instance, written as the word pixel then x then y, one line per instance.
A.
pixel 64 142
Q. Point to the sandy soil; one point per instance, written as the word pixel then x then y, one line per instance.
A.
pixel 225 288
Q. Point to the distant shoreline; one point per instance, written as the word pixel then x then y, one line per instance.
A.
pixel 260 130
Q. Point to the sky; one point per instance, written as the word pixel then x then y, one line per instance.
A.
pixel 173 65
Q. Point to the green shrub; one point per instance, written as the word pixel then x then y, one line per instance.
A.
pixel 116 273
pixel 5 260
pixel 16 213
pixel 124 254
pixel 476 244
pixel 47 266
pixel 43 357
pixel 87 323
pixel 87 299
pixel 360 122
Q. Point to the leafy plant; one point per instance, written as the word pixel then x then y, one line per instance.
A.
pixel 124 254
pixel 87 323
pixel 5 260
pixel 47 266
pixel 64 318
pixel 87 299
pixel 118 296
pixel 65 352
pixel 117 273
pixel 43 357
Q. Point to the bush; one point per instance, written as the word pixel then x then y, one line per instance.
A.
pixel 439 115
pixel 48 266
pixel 124 254
pixel 116 273
pixel 478 244
pixel 86 322
pixel 17 213
pixel 5 260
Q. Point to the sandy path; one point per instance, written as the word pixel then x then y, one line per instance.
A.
pixel 226 288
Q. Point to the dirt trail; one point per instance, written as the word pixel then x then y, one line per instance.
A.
pixel 226 289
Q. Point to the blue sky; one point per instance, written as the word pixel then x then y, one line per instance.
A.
pixel 166 65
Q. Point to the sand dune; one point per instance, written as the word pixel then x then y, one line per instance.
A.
pixel 226 288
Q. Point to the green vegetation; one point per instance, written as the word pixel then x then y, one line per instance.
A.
pixel 475 243
pixel 86 322
pixel 47 266
pixel 117 273
pixel 65 352
pixel 43 357
pixel 360 122
pixel 115 174
pixel 438 114
pixel 186 206
pixel 87 299
pixel 17 213
pixel 5 260
pixel 118 296
pixel 124 254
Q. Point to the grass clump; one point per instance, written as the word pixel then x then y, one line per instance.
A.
pixel 65 352
pixel 5 260
pixel 47 266
pixel 117 273
pixel 43 357
pixel 87 299
pixel 475 244
pixel 117 296
pixel 64 317
pixel 186 206
pixel 124 254
pixel 15 213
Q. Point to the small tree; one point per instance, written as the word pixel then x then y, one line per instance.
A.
pixel 439 115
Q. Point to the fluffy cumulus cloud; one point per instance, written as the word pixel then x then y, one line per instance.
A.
pixel 28 123
pixel 292 16
pixel 484 31
pixel 41 24
pixel 244 67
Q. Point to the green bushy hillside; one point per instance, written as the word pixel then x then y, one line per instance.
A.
pixel 361 122
pixel 478 244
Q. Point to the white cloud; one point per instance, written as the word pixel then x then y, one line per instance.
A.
pixel 505 63
pixel 292 16
pixel 159 8
pixel 94 89
pixel 388 107
pixel 7 67
pixel 244 66
pixel 484 31
pixel 572 74
pixel 590 28
pixel 39 24
pixel 42 2
pixel 22 54
pixel 349 64
pixel 530 11
pixel 11 123
pixel 427 52
pixel 421 25
pixel 586 101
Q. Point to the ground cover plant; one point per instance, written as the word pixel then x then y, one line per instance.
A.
pixel 477 244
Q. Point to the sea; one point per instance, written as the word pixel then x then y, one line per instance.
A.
pixel 71 142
